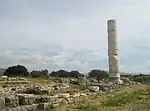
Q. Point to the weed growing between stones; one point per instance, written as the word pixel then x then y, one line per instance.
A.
pixel 50 107
pixel 127 97
pixel 136 98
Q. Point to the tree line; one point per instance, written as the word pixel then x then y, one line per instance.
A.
pixel 20 70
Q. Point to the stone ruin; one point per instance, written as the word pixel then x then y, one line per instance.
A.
pixel 34 97
pixel 38 97
pixel 23 95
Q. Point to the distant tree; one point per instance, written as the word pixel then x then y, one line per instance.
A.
pixel 141 74
pixel 99 74
pixel 54 74
pixel 45 72
pixel 63 73
pixel 42 73
pixel 75 74
pixel 18 70
pixel 35 73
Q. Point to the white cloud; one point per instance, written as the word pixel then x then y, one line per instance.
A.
pixel 72 34
pixel 37 61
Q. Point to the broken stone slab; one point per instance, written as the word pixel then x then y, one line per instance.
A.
pixel 83 94
pixel 44 91
pixel 38 99
pixel 74 81
pixel 2 103
pixel 40 91
pixel 12 79
pixel 55 105
pixel 63 102
pixel 11 101
pixel 56 96
pixel 70 100
pixel 46 98
pixel 58 100
pixel 26 99
pixel 53 98
pixel 93 88
pixel 45 106
pixel 75 95
pixel 64 95
pixel 23 79
pixel 32 107
pixel 110 83
pixel 15 109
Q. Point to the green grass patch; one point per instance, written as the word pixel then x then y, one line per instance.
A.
pixel 126 97
pixel 136 98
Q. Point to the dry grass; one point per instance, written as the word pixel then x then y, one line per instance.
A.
pixel 136 98
pixel 127 99
pixel 42 80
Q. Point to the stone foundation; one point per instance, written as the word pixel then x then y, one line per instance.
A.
pixel 38 97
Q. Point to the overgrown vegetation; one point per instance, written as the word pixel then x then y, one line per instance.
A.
pixel 50 107
pixel 18 70
pixel 127 99
pixel 142 78
pixel 98 74
pixel 63 73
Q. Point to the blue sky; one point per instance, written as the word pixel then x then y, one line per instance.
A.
pixel 71 34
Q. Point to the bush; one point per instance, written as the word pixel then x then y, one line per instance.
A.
pixel 63 73
pixel 99 74
pixel 142 79
pixel 18 70
pixel 43 73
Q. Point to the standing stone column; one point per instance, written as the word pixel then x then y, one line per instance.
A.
pixel 113 55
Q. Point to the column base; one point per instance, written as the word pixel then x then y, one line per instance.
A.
pixel 114 75
pixel 115 79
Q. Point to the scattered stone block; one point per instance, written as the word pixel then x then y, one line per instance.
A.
pixel 53 98
pixel 2 103
pixel 76 95
pixel 11 101
pixel 58 100
pixel 45 106
pixel 83 94
pixel 56 96
pixel 45 91
pixel 64 95
pixel 93 88
pixel 40 91
pixel 32 107
pixel 64 102
pixel 26 99
pixel 55 105
pixel 45 98
pixel 23 79
pixel 70 100
pixel 38 99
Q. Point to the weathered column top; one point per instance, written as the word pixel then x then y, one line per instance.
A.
pixel 111 20
pixel 111 25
